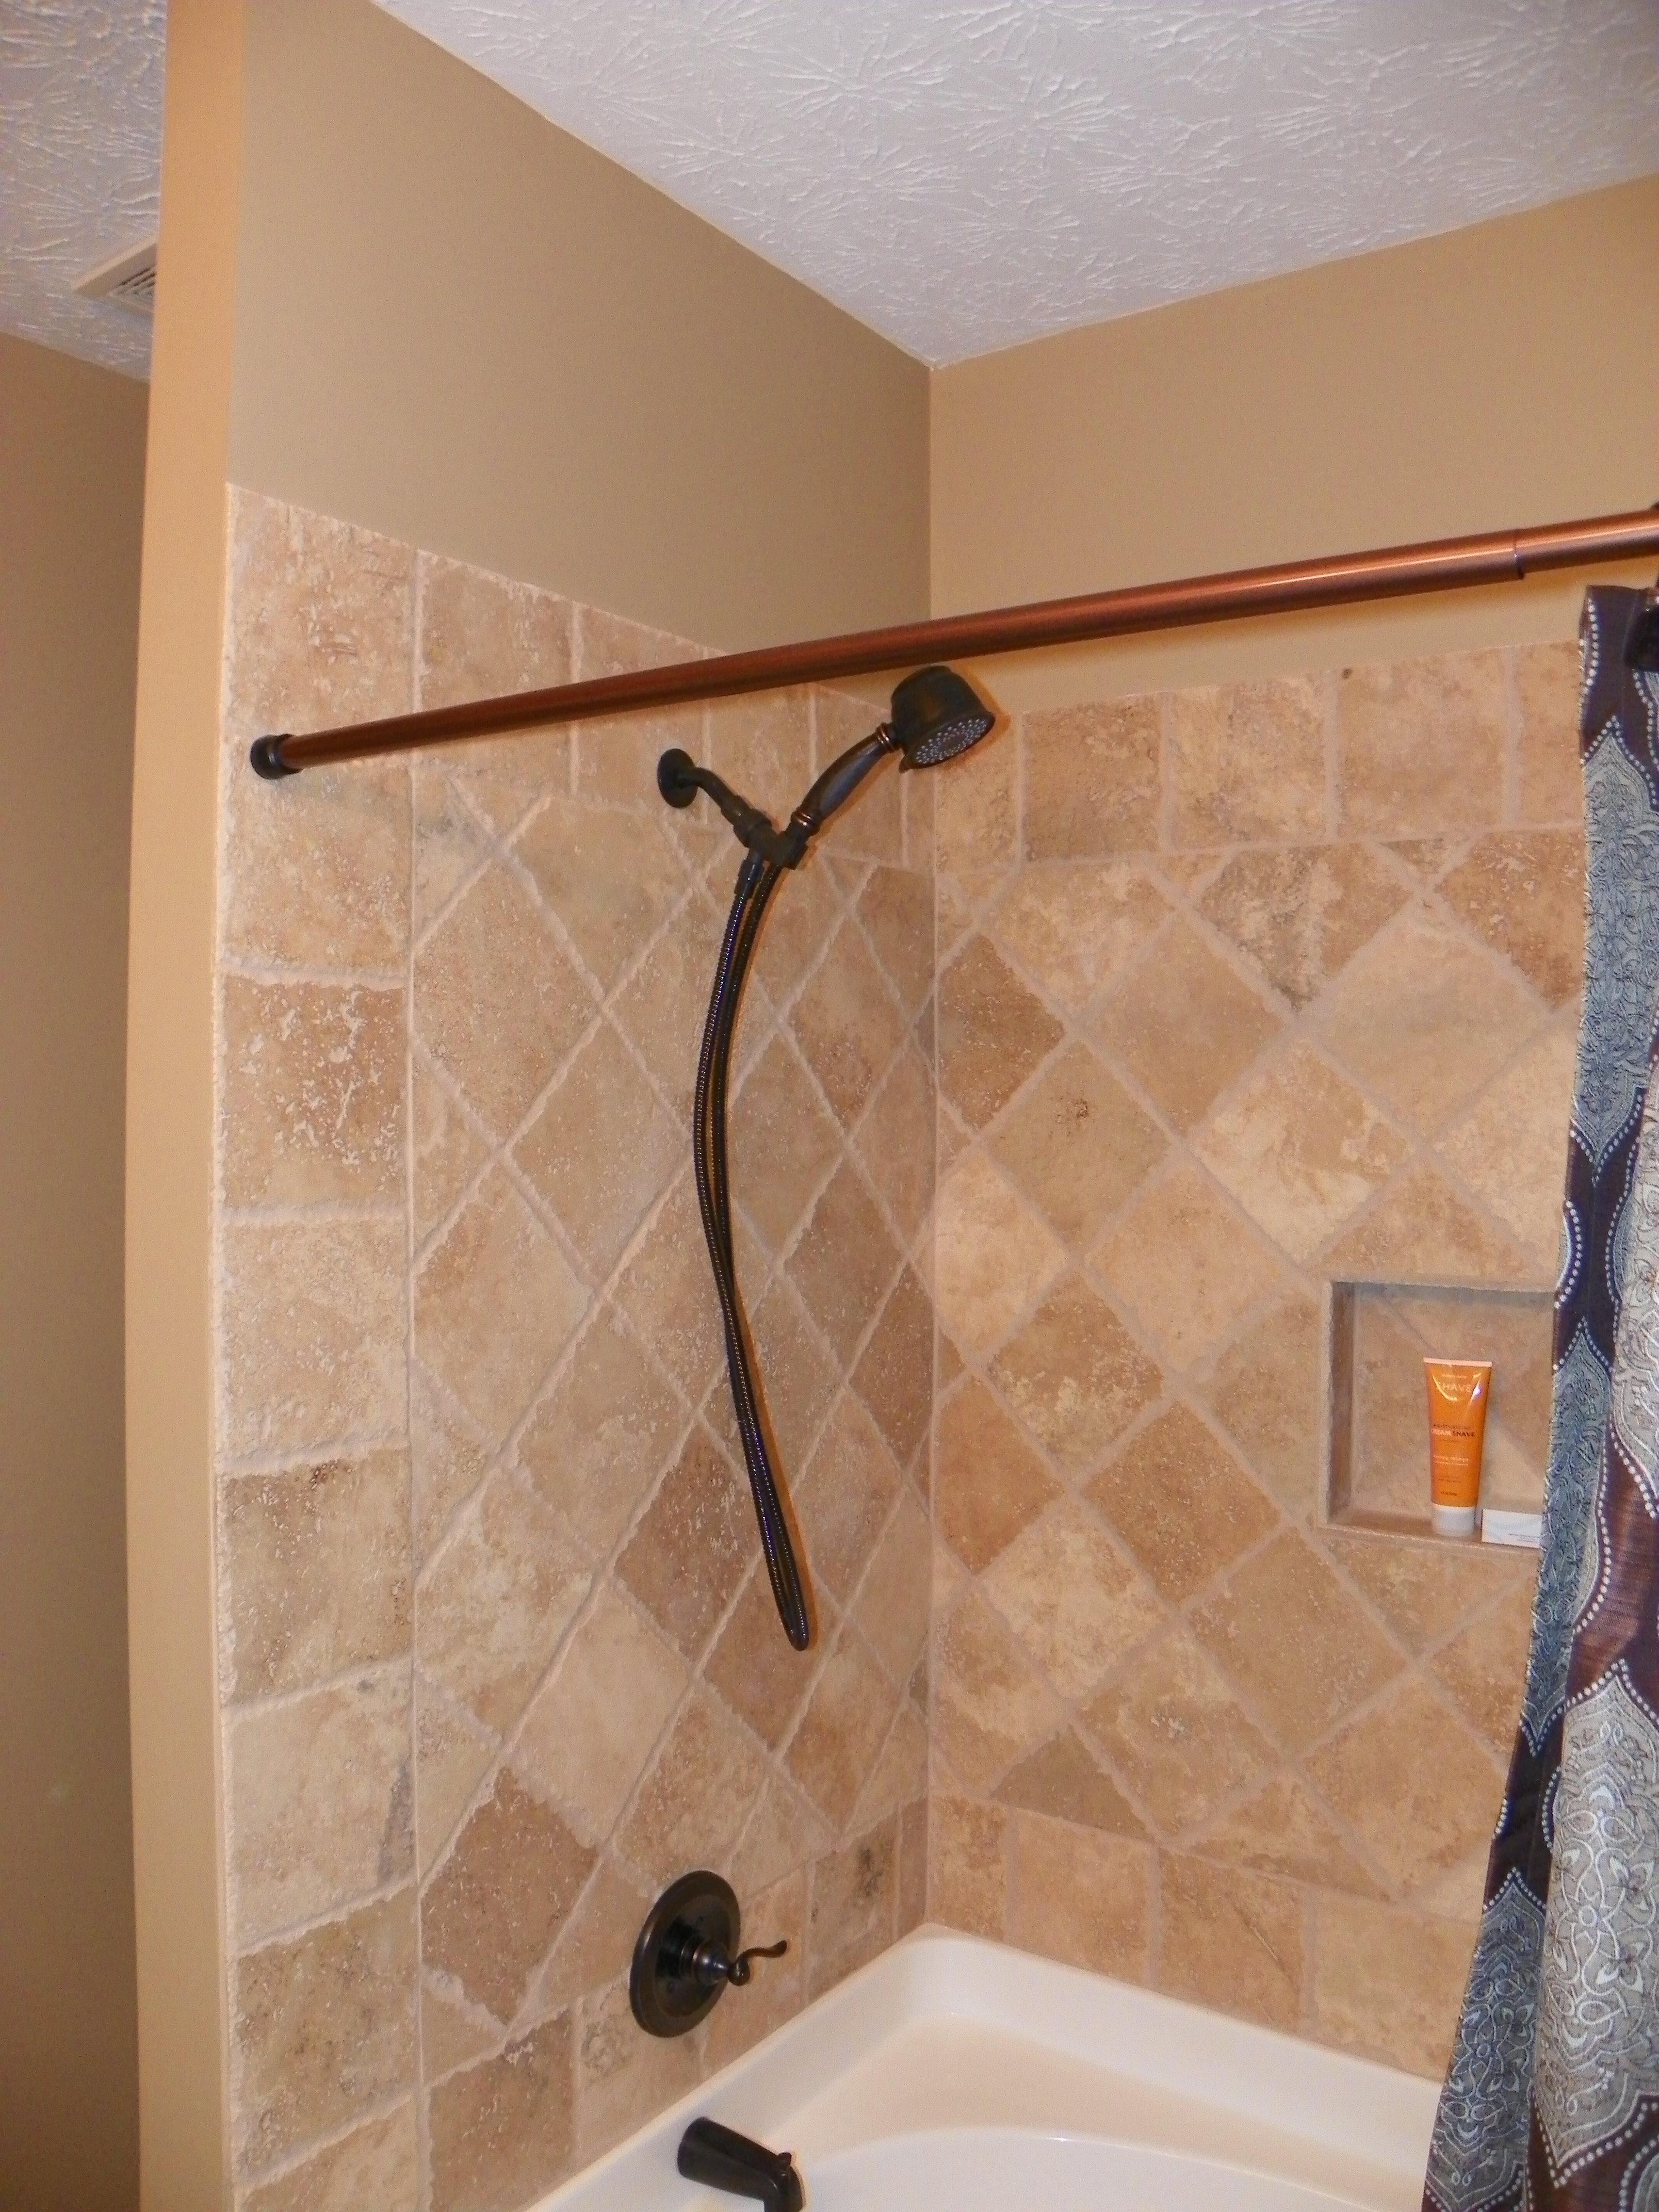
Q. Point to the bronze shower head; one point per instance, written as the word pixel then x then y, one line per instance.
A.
pixel 936 715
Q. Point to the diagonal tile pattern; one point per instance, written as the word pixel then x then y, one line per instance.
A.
pixel 1091 1672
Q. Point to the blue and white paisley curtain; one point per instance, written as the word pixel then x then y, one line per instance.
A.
pixel 1552 2096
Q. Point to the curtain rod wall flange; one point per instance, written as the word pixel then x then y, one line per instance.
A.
pixel 1290 587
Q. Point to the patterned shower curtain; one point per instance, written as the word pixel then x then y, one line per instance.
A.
pixel 1552 2096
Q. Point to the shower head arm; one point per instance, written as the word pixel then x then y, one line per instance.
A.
pixel 679 780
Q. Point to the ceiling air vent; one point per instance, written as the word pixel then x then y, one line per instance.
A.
pixel 129 280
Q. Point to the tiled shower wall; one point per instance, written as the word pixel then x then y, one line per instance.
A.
pixel 497 1657
pixel 1235 991
pixel 1241 990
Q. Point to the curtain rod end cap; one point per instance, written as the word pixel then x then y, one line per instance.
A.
pixel 267 761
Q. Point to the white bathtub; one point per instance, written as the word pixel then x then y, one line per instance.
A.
pixel 955 2074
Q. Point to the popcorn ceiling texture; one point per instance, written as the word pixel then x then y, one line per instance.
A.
pixel 497 1656
pixel 80 166
pixel 965 174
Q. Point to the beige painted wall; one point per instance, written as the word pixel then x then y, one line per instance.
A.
pixel 170 1125
pixel 1501 375
pixel 458 325
pixel 71 487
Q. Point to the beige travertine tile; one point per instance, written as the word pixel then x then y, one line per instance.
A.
pixel 616 761
pixel 802 919
pixel 321 2027
pixel 601 1148
pixel 449 1152
pixel 1247 760
pixel 897 908
pixel 1075 1376
pixel 1302 914
pixel 1485 1669
pixel 854 1894
pixel 977 808
pixel 844 1496
pixel 1091 779
pixel 662 1006
pixel 1284 1830
pixel 845 1262
pixel 497 1003
pixel 1523 890
pixel 989 1484
pixel 453 2032
pixel 1423 1232
pixel 1075 929
pixel 896 1140
pixel 604 644
pixel 1071 1597
pixel 1186 1264
pixel 1063 1780
pixel 1301 1649
pixel 993 1033
pixel 892 1609
pixel 895 1374
pixel 665 1291
pixel 847 1023
pixel 451 842
pixel 483 634
pixel 1424 1590
pixel 447 1458
pixel 992 1256
pixel 1230 1941
pixel 1423 745
pixel 1390 1015
pixel 317 868
pixel 754 1667
pixel 320 620
pixel 1388 1984
pixel 313 1091
pixel 1547 692
pixel 591 1727
pixel 1174 1730
pixel 967 1874
pixel 491 1911
pixel 623 2078
pixel 783 1835
pixel 1510 1149
pixel 1181 1502
pixel 1078 1145
pixel 314 1571
pixel 596 1941
pixel 899 1776
pixel 1183 1025
pixel 453 1751
pixel 783 1143
pixel 599 1439
pixel 312 1333
pixel 503 2131
pixel 318 1801
pixel 612 879
pixel 844 1724
pixel 778 1992
pixel 991 1707
pixel 1412 1783
pixel 1389 1469
pixel 1301 1150
pixel 763 745
pixel 702 1511
pixel 495 1304
pixel 913 1867
pixel 800 1376
pixel 376 2165
pixel 1081 1896
pixel 692 1805
pixel 1266 1393
pixel 492 1605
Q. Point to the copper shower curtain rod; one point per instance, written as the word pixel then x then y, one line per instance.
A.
pixel 1291 587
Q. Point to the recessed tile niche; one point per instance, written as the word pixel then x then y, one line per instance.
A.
pixel 1377 1435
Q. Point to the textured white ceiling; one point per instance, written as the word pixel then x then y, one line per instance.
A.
pixel 80 166
pixel 962 174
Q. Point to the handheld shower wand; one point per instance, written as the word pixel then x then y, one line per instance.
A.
pixel 936 714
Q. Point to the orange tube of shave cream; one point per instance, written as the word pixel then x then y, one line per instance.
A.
pixel 1458 1391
